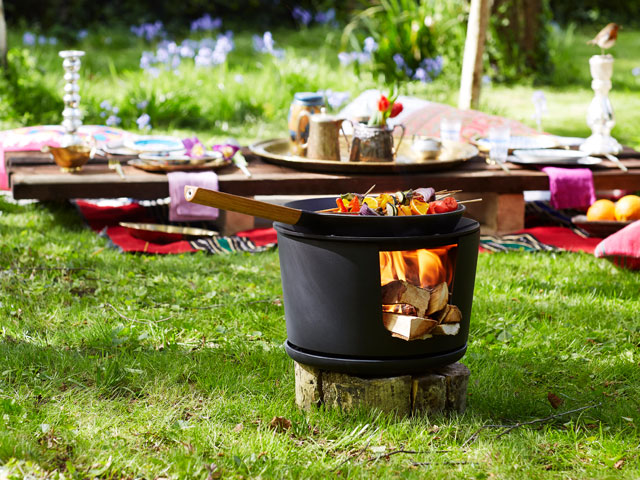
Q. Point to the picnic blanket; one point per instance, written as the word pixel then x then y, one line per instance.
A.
pixel 104 217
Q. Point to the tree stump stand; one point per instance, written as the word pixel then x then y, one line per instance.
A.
pixel 439 390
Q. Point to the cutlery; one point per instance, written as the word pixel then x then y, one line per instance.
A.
pixel 615 160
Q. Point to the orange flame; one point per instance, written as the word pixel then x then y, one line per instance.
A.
pixel 423 268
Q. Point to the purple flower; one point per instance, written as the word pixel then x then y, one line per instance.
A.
pixel 186 51
pixel 113 120
pixel 82 34
pixel 29 38
pixel 345 58
pixel 421 74
pixel 302 16
pixel 52 41
pixel 42 39
pixel 335 99
pixel 228 150
pixel 486 80
pixel 326 17
pixel 239 78
pixel 206 23
pixel 194 147
pixel 400 63
pixel 265 44
pixel 148 31
pixel 143 122
pixel 370 45
pixel 142 105
pixel 635 71
pixel 105 105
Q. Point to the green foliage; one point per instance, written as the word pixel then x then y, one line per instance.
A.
pixel 415 30
pixel 28 97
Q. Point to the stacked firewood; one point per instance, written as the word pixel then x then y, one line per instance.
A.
pixel 414 313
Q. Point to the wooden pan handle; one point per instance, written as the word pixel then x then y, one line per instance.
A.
pixel 235 203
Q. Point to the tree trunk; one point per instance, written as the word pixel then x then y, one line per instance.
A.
pixel 3 37
pixel 471 79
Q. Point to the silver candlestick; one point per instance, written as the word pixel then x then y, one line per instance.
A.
pixel 600 113
pixel 72 116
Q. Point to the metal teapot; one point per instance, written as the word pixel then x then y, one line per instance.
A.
pixel 324 136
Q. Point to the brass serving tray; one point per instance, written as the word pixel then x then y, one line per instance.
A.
pixel 278 151
pixel 151 166
pixel 159 233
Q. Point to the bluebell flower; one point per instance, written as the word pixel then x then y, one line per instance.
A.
pixel 206 23
pixel 486 80
pixel 142 105
pixel 422 75
pixel 113 120
pixel 302 16
pixel 105 105
pixel 635 71
pixel 266 44
pixel 335 99
pixel 239 78
pixel 52 41
pixel 345 58
pixel 326 17
pixel 400 63
pixel 186 51
pixel 370 45
pixel 42 40
pixel 28 38
pixel 143 122
pixel 82 34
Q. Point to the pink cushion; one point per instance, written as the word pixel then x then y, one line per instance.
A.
pixel 623 247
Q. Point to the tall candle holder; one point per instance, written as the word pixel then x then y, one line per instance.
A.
pixel 600 113
pixel 72 116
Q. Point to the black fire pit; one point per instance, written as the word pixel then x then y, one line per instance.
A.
pixel 332 295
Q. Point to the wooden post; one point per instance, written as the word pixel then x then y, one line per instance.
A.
pixel 3 37
pixel 471 78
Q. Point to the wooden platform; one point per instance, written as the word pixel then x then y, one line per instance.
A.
pixel 437 391
pixel 33 176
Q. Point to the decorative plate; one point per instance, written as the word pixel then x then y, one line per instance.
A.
pixel 177 158
pixel 552 156
pixel 278 151
pixel 154 166
pixel 154 144
pixel 157 233
pixel 598 228
pixel 521 142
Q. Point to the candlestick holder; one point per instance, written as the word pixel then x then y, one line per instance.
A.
pixel 600 116
pixel 72 116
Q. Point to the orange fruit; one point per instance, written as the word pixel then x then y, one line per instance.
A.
pixel 419 207
pixel 628 208
pixel 602 209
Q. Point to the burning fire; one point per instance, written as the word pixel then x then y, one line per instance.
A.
pixel 423 268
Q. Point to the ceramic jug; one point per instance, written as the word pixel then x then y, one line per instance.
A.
pixel 324 136
pixel 374 144
pixel 299 126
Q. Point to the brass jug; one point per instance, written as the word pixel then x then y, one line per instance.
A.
pixel 324 136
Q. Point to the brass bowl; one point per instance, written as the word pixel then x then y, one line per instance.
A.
pixel 72 158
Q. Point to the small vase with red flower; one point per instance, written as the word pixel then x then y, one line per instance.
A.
pixel 373 141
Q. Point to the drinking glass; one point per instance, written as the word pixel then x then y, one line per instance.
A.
pixel 450 129
pixel 499 143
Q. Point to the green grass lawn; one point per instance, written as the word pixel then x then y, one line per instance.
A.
pixel 131 366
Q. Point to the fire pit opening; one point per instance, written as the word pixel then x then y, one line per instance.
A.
pixel 416 286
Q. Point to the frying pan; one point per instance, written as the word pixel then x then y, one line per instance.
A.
pixel 303 215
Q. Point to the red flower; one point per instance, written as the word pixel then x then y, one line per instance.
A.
pixel 395 109
pixel 383 104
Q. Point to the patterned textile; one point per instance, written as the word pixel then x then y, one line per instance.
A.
pixel 514 242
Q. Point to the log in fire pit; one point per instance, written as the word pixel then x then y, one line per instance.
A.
pixel 396 302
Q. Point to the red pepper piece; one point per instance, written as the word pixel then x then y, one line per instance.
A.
pixel 340 204
pixel 355 205
pixel 450 203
